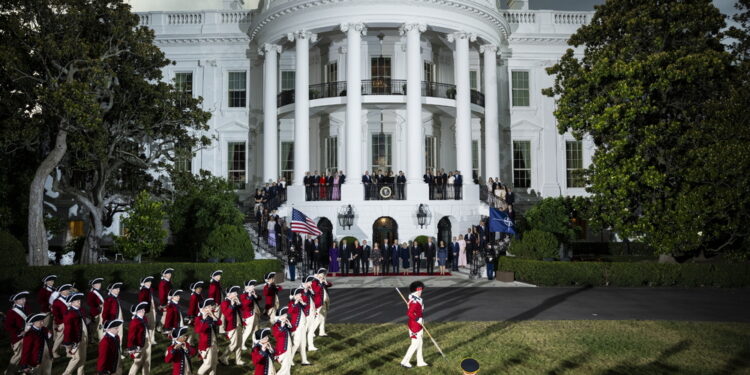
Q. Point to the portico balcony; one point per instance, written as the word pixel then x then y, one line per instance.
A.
pixel 378 86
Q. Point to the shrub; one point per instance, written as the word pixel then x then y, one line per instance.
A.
pixel 14 253
pixel 554 215
pixel 347 240
pixel 144 225
pixel 29 278
pixel 228 241
pixel 422 240
pixel 535 244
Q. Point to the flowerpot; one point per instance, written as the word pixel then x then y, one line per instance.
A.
pixel 505 276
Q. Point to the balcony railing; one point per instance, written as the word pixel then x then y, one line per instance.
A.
pixel 379 86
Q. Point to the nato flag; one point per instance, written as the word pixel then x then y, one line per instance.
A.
pixel 500 222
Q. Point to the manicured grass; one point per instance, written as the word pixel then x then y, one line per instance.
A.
pixel 529 347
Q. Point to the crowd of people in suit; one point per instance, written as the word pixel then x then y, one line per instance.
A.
pixel 444 185
pixel 498 195
pixel 323 187
pixel 375 182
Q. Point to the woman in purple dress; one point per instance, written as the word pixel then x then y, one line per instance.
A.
pixel 335 194
pixel 333 259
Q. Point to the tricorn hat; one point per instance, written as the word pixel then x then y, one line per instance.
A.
pixel 116 285
pixel 49 277
pixel 35 318
pixel 196 285
pixel 19 295
pixel 216 273
pixel 113 324
pixel 415 286
pixel 175 292
pixel 297 291
pixel 322 271
pixel 147 279
pixel 233 289
pixel 75 297
pixel 179 331
pixel 97 280
pixel 139 306
pixel 309 278
pixel 64 287
pixel 207 302
pixel 260 334
pixel 281 311
pixel 166 271
pixel 251 283
pixel 269 275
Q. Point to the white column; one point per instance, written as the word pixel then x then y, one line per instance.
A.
pixel 270 121
pixel 463 104
pixel 414 139
pixel 354 170
pixel 491 128
pixel 302 103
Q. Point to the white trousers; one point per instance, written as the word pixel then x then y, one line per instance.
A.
pixel 15 359
pixel 286 360
pixel 234 346
pixel 313 323
pixel 143 362
pixel 416 346
pixel 299 340
pixel 57 338
pixel 77 360
pixel 248 330
pixel 210 360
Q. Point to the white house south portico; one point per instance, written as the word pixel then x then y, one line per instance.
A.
pixel 360 85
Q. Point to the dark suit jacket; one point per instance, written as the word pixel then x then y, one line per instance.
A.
pixel 401 179
pixel 366 251
pixel 415 251
pixel 342 179
pixel 430 250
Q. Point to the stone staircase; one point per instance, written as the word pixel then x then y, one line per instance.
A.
pixel 262 250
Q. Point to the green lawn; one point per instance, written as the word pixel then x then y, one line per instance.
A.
pixel 531 347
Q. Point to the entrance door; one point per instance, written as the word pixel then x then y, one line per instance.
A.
pixel 326 239
pixel 382 228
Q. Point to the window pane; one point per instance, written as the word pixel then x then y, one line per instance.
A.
pixel 430 154
pixel 574 163
pixel 237 162
pixel 331 164
pixel 520 84
pixel 522 164
pixel 287 161
pixel 381 152
pixel 237 89
pixel 473 79
pixel 287 80
pixel 475 159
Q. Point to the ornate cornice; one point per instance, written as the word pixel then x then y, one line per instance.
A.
pixel 208 40
pixel 490 48
pixel 268 47
pixel 302 34
pixel 420 27
pixel 358 27
pixel 544 40
pixel 462 35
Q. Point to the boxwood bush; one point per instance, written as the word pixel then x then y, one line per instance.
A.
pixel 29 278
pixel 535 244
pixel 622 274
pixel 227 241
pixel 14 253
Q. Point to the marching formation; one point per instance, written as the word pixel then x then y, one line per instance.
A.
pixel 227 323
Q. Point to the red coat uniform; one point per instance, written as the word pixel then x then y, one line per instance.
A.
pixel 43 298
pixel 165 286
pixel 173 317
pixel 73 332
pixel 261 359
pixel 230 312
pixel 307 296
pixel 137 333
pixel 35 342
pixel 144 295
pixel 95 301
pixel 180 358
pixel 214 291
pixel 194 307
pixel 247 305
pixel 270 291
pixel 295 314
pixel 282 335
pixel 415 313
pixel 111 310
pixel 109 354
pixel 59 308
pixel 15 322
pixel 319 289
pixel 205 329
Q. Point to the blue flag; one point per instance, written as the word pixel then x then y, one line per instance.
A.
pixel 500 222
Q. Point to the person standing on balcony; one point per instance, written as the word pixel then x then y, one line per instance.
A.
pixel 308 184
pixel 428 180
pixel 322 183
pixel 458 184
pixel 400 185
pixel 367 183
pixel 335 192
pixel 443 184
pixel 451 192
pixel 315 180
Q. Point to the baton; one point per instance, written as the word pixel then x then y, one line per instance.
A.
pixel 423 326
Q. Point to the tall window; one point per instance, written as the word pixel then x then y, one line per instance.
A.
pixel 237 89
pixel 287 80
pixel 520 82
pixel 475 159
pixel 380 67
pixel 381 152
pixel 332 72
pixel 183 82
pixel 521 164
pixel 237 164
pixel 75 228
pixel 287 161
pixel 574 163
pixel 183 159
pixel 430 153
pixel 331 154
pixel 429 72
pixel 474 80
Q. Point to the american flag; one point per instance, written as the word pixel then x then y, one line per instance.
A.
pixel 303 224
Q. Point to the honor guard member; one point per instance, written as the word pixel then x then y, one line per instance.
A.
pixel 311 310
pixel 165 286
pixel 262 353
pixel 15 324
pixel 180 352
pixel 145 295
pixel 282 333
pixel 95 302
pixel 75 335
pixel 36 354
pixel 230 311
pixel 248 307
pixel 139 339
pixel 59 308
pixel 108 362
pixel 207 325
pixel 296 312
pixel 44 297
pixel 173 316
pixel 194 308
pixel 112 309
pixel 320 286
pixel 214 287
pixel 270 292
pixel 416 309
pixel 470 366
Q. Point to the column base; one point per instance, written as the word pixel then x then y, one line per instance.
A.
pixel 352 193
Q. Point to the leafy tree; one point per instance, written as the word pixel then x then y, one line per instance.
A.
pixel 555 215
pixel 654 89
pixel 144 225
pixel 227 241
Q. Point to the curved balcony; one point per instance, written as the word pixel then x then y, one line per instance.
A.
pixel 379 86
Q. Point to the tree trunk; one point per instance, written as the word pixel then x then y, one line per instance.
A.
pixel 38 245
pixel 93 237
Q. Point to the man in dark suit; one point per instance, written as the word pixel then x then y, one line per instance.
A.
pixel 429 252
pixel 416 254
pixel 365 258
pixel 428 180
pixel 317 255
pixel 314 180
pixel 386 250
pixel 342 177
pixel 444 183
pixel 356 258
pixel 400 185
pixel 367 183
pixel 395 256
pixel 457 183
pixel 309 259
pixel 455 248
pixel 346 257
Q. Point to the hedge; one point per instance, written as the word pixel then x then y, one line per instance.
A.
pixel 622 274
pixel 29 278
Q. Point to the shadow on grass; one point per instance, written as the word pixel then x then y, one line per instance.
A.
pixel 569 364
pixel 657 366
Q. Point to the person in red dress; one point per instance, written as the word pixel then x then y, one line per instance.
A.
pixel 262 354
pixel 44 297
pixel 282 333
pixel 173 315
pixel 95 302
pixel 415 313
pixel 206 326
pixel 36 354
pixel 145 294
pixel 322 184
pixel 59 308
pixel 180 352
pixel 139 342
pixel 270 292
pixel 75 335
pixel 230 311
pixel 15 324
pixel 195 302
pixel 108 362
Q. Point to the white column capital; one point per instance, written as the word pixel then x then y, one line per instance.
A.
pixel 302 34
pixel 489 48
pixel 269 47
pixel 343 50
pixel 418 26
pixel 355 26
pixel 462 35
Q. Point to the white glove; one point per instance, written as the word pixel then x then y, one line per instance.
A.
pixel 420 321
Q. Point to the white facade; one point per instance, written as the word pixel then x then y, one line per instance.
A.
pixel 464 73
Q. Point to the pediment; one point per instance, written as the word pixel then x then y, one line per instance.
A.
pixel 525 125
pixel 233 126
